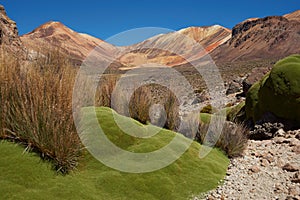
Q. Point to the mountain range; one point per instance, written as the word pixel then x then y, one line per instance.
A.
pixel 271 37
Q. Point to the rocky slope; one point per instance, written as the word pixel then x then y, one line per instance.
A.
pixel 264 38
pixel 55 35
pixel 254 39
pixel 269 169
pixel 182 41
pixel 293 16
pixel 78 46
pixel 9 38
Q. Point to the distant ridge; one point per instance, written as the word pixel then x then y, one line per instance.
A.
pixel 271 37
pixel 208 37
pixel 56 35
pixel 261 38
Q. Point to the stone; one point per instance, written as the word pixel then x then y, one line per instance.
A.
pixel 294 142
pixel 267 171
pixel 265 131
pixel 255 75
pixel 291 198
pixel 233 88
pixel 264 163
pixel 294 191
pixel 296 178
pixel 280 133
pixel 280 163
pixel 272 152
pixel 279 140
pixel 210 197
pixel 269 158
pixel 290 167
pixel 296 149
pixel 278 187
pixel 196 101
pixel 297 136
pixel 255 169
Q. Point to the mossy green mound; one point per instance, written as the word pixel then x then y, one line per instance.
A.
pixel 232 113
pixel 252 111
pixel 25 176
pixel 278 92
pixel 205 117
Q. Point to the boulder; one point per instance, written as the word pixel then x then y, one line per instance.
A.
pixel 296 178
pixel 233 88
pixel 254 76
pixel 290 167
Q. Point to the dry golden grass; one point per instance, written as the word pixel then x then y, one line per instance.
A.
pixel 105 89
pixel 232 139
pixel 140 101
pixel 36 107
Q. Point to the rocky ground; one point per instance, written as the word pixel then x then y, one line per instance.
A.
pixel 269 169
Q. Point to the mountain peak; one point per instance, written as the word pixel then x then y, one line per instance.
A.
pixel 50 28
pixel 203 28
pixel 293 16
pixel 55 34
pixel 207 37
pixel 2 10
pixel 53 24
pixel 202 32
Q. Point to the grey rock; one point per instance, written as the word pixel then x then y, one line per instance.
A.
pixel 255 169
pixel 296 179
pixel 233 88
pixel 290 167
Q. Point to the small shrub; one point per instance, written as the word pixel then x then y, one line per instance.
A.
pixel 232 140
pixel 144 97
pixel 141 101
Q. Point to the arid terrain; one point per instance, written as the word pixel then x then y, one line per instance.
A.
pixel 256 152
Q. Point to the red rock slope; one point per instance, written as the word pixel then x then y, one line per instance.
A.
pixel 208 37
pixel 258 39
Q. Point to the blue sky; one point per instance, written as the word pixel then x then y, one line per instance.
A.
pixel 107 18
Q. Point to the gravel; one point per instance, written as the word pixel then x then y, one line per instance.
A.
pixel 269 169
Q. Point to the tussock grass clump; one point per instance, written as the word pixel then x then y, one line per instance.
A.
pixel 105 89
pixel 138 105
pixel 36 108
pixel 145 97
pixel 232 140
pixel 171 105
